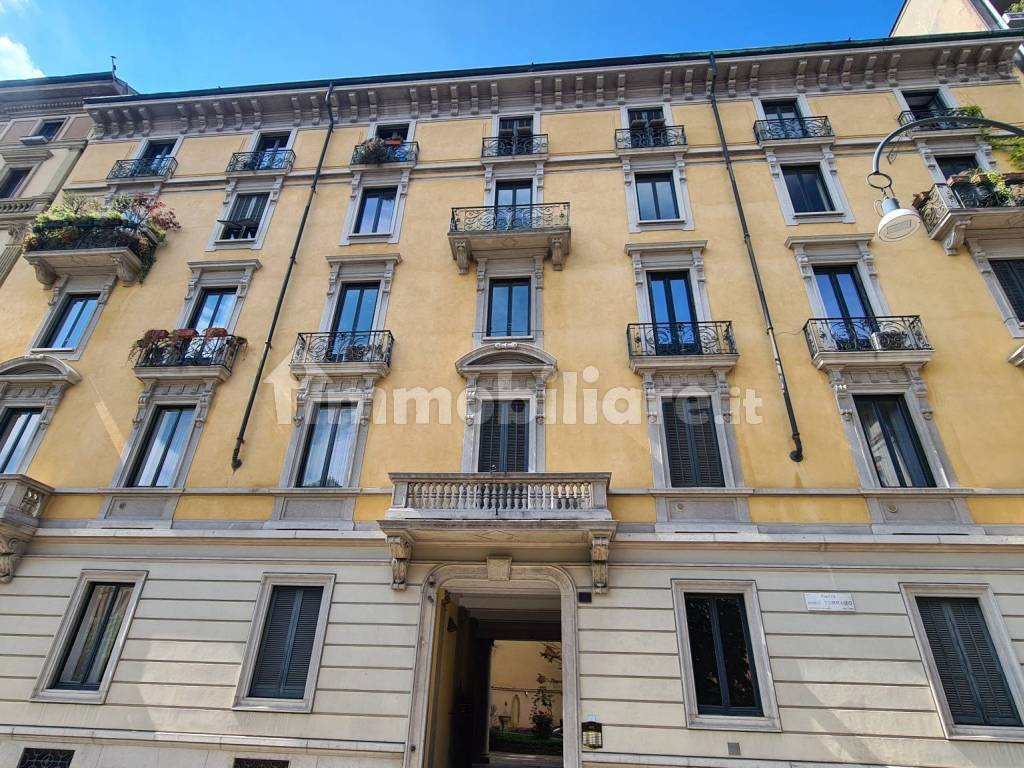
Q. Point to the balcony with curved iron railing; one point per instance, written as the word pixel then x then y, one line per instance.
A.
pixel 650 137
pixel 381 151
pixel 673 339
pixel 793 129
pixel 159 351
pixel 910 115
pixel 267 160
pixel 144 168
pixel 853 340
pixel 951 211
pixel 514 146
pixel 343 352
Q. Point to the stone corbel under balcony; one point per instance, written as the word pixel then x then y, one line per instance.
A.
pixel 119 261
pixel 22 501
pixel 516 515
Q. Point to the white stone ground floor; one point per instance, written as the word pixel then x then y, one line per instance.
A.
pixel 844 672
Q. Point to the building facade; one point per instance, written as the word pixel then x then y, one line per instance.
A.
pixel 43 130
pixel 604 353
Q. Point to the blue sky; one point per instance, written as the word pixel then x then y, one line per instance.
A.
pixel 184 44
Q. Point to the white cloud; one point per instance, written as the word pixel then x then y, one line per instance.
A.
pixel 15 63
pixel 10 6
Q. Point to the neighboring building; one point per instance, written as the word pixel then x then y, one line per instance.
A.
pixel 43 130
pixel 933 17
pixel 555 252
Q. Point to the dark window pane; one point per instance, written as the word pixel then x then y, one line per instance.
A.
pixel 272 142
pixel 969 668
pixel 286 647
pixel 893 442
pixel 924 103
pixel 161 456
pixel 158 150
pixel 725 677
pixel 1010 274
pixel 214 308
pixel 244 219
pixel 399 131
pixel 807 190
pixel 328 447
pixel 509 307
pixel 785 109
pixel 71 323
pixel 953 165
pixel 17 429
pixel 376 211
pixel 357 307
pixel 504 436
pixel 656 196
pixel 692 442
pixel 50 129
pixel 11 185
pixel 85 658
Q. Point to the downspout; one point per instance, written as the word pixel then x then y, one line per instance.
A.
pixel 236 461
pixel 797 454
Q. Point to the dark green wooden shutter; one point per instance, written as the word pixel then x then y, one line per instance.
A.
pixel 1010 273
pixel 504 436
pixel 286 647
pixel 693 455
pixel 969 668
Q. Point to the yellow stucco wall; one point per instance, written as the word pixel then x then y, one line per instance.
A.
pixel 587 307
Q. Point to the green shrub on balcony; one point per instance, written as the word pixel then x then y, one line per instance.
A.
pixel 137 222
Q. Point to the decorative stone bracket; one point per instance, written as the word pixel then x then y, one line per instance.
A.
pixel 599 546
pixel 401 552
pixel 22 501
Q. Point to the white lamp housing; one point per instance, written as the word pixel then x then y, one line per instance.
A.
pixel 897 223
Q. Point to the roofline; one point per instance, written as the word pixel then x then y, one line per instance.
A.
pixel 82 77
pixel 665 58
pixel 899 15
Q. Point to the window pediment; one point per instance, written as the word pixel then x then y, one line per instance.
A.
pixel 38 369
pixel 506 358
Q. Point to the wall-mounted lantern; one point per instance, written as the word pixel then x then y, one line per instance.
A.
pixel 593 738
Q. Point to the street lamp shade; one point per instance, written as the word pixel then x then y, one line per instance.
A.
pixel 897 223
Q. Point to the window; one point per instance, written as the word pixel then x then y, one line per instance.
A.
pixel 13 181
pixel 45 758
pixel 398 132
pixel 158 150
pixel 783 120
pixel 214 309
pixel 82 660
pixel 357 307
pixel 515 126
pixel 512 201
pixel 924 103
pixel 973 681
pixel 88 652
pixel 692 442
pixel 724 677
pixel 17 429
pixel 893 442
pixel 328 451
pixel 954 165
pixel 656 197
pixel 783 110
pixel 71 323
pixel 271 142
pixel 504 436
pixel 843 297
pixel 807 190
pixel 1010 274
pixel 243 221
pixel 643 117
pixel 49 129
pixel 164 448
pixel 508 307
pixel 286 648
pixel 647 127
pixel 286 639
pixel 672 313
pixel 376 210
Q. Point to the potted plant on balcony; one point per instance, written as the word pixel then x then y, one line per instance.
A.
pixel 137 222
pixel 1014 16
pixel 372 151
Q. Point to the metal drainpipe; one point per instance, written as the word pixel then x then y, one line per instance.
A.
pixel 236 461
pixel 797 454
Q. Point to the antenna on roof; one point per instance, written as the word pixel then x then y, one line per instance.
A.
pixel 113 65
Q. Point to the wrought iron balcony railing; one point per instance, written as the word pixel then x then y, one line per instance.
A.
pixel 377 152
pixel 665 339
pixel 865 334
pixel 265 160
pixel 510 146
pixel 343 347
pixel 942 199
pixel 497 218
pixel 910 115
pixel 185 347
pixel 653 136
pixel 782 129
pixel 161 167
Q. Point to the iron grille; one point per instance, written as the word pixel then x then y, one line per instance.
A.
pixel 865 334
pixel 161 167
pixel 344 347
pixel 943 198
pixel 662 339
pixel 910 115
pixel 252 762
pixel 45 758
pixel 377 152
pixel 265 160
pixel 509 146
pixel 781 129
pixel 510 217
pixel 180 349
pixel 651 136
